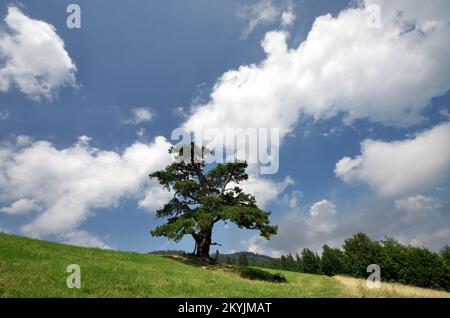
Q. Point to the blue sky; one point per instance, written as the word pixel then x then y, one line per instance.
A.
pixel 386 84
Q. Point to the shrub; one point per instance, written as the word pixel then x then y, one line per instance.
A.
pixel 398 263
pixel 332 261
pixel 258 274
pixel 360 251
pixel 445 254
pixel 426 269
pixel 310 262
pixel 394 261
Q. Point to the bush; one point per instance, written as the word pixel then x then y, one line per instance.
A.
pixel 398 263
pixel 394 262
pixel 258 274
pixel 445 254
pixel 426 269
pixel 310 262
pixel 333 260
pixel 360 251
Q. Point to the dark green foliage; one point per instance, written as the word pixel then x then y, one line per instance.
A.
pixel 445 254
pixel 204 197
pixel 333 261
pixel 398 263
pixel 310 262
pixel 360 252
pixel 283 262
pixel 243 261
pixel 253 259
pixel 169 252
pixel 258 274
pixel 394 261
pixel 426 269
pixel 288 263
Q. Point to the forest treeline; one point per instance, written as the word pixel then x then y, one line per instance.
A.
pixel 399 263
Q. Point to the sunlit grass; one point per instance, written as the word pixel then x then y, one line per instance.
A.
pixel 33 268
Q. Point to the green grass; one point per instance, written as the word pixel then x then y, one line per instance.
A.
pixel 34 268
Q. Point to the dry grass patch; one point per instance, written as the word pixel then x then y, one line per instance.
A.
pixel 356 287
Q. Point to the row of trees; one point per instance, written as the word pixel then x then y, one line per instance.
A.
pixel 241 260
pixel 398 263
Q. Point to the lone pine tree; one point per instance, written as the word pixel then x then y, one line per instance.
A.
pixel 202 197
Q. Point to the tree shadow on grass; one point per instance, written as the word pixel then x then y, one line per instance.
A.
pixel 199 262
pixel 243 271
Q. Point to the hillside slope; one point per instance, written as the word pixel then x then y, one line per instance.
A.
pixel 34 268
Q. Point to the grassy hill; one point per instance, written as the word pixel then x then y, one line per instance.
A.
pixel 34 268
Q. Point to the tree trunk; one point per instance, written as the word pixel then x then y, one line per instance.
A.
pixel 203 241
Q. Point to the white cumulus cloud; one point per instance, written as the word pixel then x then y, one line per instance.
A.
pixel 21 206
pixel 260 13
pixel 400 167
pixel 65 187
pixel 323 207
pixel 297 230
pixel 70 183
pixel 140 115
pixel 155 198
pixel 264 189
pixel 423 239
pixel 84 238
pixel 415 208
pixel 386 74
pixel 287 18
pixel 33 57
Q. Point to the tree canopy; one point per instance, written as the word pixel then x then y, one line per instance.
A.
pixel 203 197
